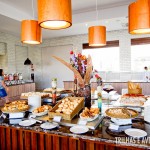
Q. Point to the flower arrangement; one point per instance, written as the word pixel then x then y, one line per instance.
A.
pixel 97 76
pixel 79 62
pixel 81 67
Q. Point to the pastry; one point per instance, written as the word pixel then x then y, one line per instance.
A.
pixel 15 106
pixel 89 113
pixel 121 113
pixel 42 109
pixel 42 95
pixel 67 105
pixel 133 99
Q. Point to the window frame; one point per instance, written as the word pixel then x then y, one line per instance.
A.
pixel 114 43
pixel 140 41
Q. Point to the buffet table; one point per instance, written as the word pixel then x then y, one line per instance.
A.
pixel 33 137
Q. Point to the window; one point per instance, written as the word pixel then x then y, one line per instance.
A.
pixel 140 54
pixel 104 58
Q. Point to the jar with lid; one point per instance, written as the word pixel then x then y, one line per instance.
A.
pixel 54 83
pixel 5 77
pixel 11 78
pixel 16 76
pixel 20 76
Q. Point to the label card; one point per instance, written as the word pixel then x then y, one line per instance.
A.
pixel 82 122
pixel 57 118
pixel 113 126
pixel 4 116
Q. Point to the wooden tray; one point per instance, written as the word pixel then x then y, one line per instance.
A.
pixel 52 113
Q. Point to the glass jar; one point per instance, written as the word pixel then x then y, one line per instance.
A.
pixel 11 77
pixel 54 83
pixel 20 76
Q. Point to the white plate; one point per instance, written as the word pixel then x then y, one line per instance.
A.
pixel 49 125
pixel 40 114
pixel 27 123
pixel 136 133
pixel 79 129
pixel 89 119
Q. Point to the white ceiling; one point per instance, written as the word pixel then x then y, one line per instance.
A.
pixel 112 13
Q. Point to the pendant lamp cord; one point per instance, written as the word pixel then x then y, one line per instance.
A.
pixel 33 9
pixel 96 11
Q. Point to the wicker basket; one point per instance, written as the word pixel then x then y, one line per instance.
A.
pixel 52 113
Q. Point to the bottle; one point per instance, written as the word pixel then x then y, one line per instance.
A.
pixel 99 94
pixel 87 96
pixel 100 102
pixel 99 86
pixel 75 86
pixel 54 98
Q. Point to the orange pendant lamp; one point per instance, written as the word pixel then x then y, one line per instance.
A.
pixel 139 17
pixel 31 32
pixel 54 14
pixel 97 36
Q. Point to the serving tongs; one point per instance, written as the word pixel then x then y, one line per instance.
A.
pixel 125 111
pixel 32 117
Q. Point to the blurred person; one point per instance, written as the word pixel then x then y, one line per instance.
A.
pixel 3 87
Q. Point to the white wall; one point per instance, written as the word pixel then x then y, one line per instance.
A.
pixel 52 68
pixel 35 52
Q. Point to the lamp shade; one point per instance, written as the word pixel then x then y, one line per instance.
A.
pixel 31 32
pixel 54 14
pixel 139 17
pixel 27 62
pixel 97 36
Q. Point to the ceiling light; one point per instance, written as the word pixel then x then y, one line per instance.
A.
pixel 97 34
pixel 139 17
pixel 54 14
pixel 31 31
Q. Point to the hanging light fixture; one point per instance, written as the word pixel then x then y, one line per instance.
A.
pixel 97 34
pixel 31 31
pixel 27 62
pixel 139 17
pixel 54 14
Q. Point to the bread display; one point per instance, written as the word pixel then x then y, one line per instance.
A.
pixel 67 107
pixel 121 113
pixel 133 100
pixel 59 90
pixel 50 90
pixel 90 113
pixel 134 88
pixel 42 109
pixel 26 95
pixel 15 106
